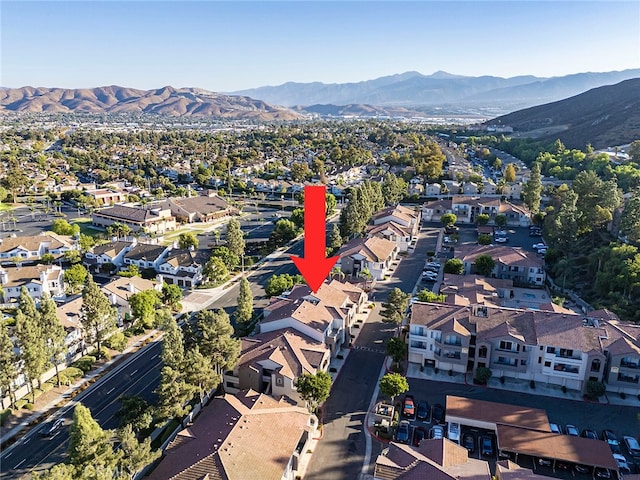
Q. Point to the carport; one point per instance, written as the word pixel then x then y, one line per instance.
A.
pixel 486 415
pixel 553 446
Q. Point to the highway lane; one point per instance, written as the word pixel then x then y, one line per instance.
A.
pixel 140 376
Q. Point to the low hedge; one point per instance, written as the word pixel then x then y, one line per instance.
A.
pixel 4 414
pixel 85 363
pixel 70 374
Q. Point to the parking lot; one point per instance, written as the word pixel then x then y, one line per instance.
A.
pixel 622 420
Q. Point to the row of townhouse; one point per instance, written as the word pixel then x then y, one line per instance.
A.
pixel 467 209
pixel 392 230
pixel 543 346
pixel 182 267
pixel 300 332
pixel 32 248
pixel 37 279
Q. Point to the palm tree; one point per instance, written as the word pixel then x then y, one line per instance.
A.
pixel 337 272
pixel 366 274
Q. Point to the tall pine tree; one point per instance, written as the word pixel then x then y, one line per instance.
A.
pixel 31 338
pixel 8 370
pixel 96 314
pixel 55 333
pixel 244 311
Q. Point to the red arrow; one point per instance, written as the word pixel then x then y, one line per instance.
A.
pixel 314 267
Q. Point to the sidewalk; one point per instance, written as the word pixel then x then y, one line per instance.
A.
pixel 67 395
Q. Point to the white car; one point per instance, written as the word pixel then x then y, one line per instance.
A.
pixel 538 246
pixel 429 275
pixel 433 264
pixel 501 239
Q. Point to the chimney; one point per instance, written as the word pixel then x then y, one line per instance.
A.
pixel 4 277
pixel 130 287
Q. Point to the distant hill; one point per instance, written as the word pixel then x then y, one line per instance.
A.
pixel 603 116
pixel 413 89
pixel 357 110
pixel 163 101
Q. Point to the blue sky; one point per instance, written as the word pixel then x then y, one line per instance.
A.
pixel 227 46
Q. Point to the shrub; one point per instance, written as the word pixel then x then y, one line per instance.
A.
pixel 595 389
pixel 502 379
pixel 532 384
pixel 484 239
pixel 46 386
pixel 117 342
pixel 70 374
pixel 28 406
pixel 451 372
pixel 4 414
pixel 483 374
pixel 85 363
pixel 564 389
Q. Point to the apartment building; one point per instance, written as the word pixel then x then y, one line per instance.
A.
pixel 513 263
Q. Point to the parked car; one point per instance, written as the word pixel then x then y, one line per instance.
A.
pixel 537 246
pixel 582 468
pixel 409 407
pixel 450 230
pixel 588 433
pixel 469 442
pixel 545 462
pixel 436 432
pixel 600 472
pixel 623 466
pixel 402 434
pixel 431 269
pixel 561 465
pixel 611 439
pixel 572 431
pixel 632 445
pixel 422 411
pixel 419 433
pixel 433 264
pixel 555 428
pixel 52 429
pixel 501 239
pixel 486 446
pixel 437 413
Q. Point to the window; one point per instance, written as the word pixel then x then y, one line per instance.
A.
pixel 539 359
pixel 623 377
pixel 551 350
pixel 547 364
pixel 566 352
pixel 506 345
pixel 452 340
pixel 595 365
pixel 279 381
pixel 482 352
pixel 418 344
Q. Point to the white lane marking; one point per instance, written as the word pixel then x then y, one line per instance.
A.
pixel 109 391
pixel 134 372
pixel 18 464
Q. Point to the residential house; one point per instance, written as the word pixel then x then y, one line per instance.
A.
pixel 182 267
pixel 514 263
pixel 547 347
pixel 271 362
pixel 373 254
pixel 107 196
pixel 517 215
pixel 434 189
pixel 38 280
pixel 203 208
pixel 394 232
pixel 432 211
pixel 31 248
pixel 470 188
pixel 439 459
pixel 145 255
pixel 112 253
pixel 243 436
pixel 325 316
pixel 152 220
pixel 407 217
pixel 120 289
pixel 513 191
pixel 69 316
pixel 623 355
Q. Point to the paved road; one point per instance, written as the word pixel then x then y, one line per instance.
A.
pixel 33 452
pixel 341 452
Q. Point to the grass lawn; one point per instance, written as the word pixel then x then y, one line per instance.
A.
pixel 5 207
pixel 174 235
pixel 86 228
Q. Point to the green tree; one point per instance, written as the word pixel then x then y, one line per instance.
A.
pixel 61 227
pixel 216 270
pixel 448 219
pixel 172 344
pixel 144 305
pixel 483 374
pixel 509 173
pixel 97 316
pixel 199 372
pixel 278 284
pixel 72 256
pixel 393 310
pixel 500 220
pixel 393 384
pixel 8 362
pixel 630 219
pixel 394 189
pixel 188 240
pixel 48 258
pixel 90 449
pixel 532 190
pixel 132 270
pixel 244 310
pixel 335 239
pixel 135 412
pixel 171 295
pixel 283 233
pixel 118 230
pixel 484 239
pixel 55 333
pixel 174 393
pixel 482 219
pixel 634 151
pixel 314 388
pixel 75 277
pixel 595 389
pixel 564 231
pixel 426 295
pixel 235 238
pixel 230 259
pixel 454 265
pixel 32 340
pixel 86 242
pixel 597 199
pixel 484 265
pixel 297 217
pixel 216 339
pixel 135 455
pixel 397 349
pixel 330 202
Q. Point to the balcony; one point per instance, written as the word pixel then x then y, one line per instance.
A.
pixel 333 336
pixel 452 355
pixel 627 364
pixel 563 367
pixel 456 343
pixel 506 362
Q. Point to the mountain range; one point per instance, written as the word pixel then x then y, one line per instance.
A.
pixel 413 89
pixel 163 101
pixel 604 116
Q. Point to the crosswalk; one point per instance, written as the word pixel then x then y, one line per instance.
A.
pixel 368 349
